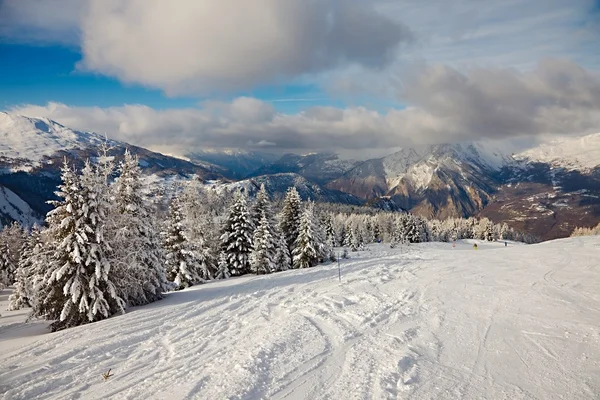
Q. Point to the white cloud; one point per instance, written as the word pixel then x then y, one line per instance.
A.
pixel 448 105
pixel 201 46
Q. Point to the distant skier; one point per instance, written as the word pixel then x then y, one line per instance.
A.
pixel 474 246
pixel 505 244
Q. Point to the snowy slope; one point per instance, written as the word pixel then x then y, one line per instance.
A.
pixel 570 153
pixel 13 208
pixel 433 322
pixel 33 139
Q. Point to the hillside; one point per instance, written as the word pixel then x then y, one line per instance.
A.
pixel 33 149
pixel 427 322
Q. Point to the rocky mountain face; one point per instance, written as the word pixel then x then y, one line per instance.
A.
pixel 434 181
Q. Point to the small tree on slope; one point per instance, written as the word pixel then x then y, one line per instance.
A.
pixel 236 240
pixel 261 259
pixel 183 264
pixel 77 287
pixel 289 219
pixel 23 294
pixel 223 267
pixel 281 260
pixel 305 253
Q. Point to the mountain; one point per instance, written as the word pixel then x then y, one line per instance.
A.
pixel 32 151
pixel 545 190
pixel 551 188
pixel 277 185
pixel 236 164
pixel 434 181
pixel 320 168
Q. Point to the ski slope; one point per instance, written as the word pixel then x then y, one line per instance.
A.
pixel 427 322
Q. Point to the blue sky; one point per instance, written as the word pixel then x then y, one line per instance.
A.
pixel 324 74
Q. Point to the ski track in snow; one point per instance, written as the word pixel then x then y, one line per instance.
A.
pixel 424 322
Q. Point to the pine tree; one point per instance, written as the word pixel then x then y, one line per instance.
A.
pixel 305 253
pixel 329 236
pixel 6 266
pixel 223 267
pixel 198 222
pixel 282 260
pixel 182 263
pixel 137 257
pixel 261 259
pixel 355 241
pixel 289 220
pixel 23 294
pixel 236 240
pixel 77 287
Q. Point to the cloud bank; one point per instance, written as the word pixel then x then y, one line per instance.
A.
pixel 447 106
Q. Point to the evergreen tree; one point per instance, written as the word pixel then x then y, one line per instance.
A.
pixel 198 222
pixel 329 236
pixel 289 220
pixel 23 294
pixel 305 253
pixel 137 256
pixel 223 267
pixel 77 287
pixel 355 242
pixel 236 240
pixel 6 266
pixel 182 263
pixel 281 260
pixel 261 259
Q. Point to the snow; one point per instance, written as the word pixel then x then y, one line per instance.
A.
pixel 572 153
pixel 16 208
pixel 35 138
pixel 426 321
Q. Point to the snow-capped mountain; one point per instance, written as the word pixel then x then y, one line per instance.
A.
pixel 32 151
pixel 488 178
pixel 440 180
pixel 316 167
pixel 578 153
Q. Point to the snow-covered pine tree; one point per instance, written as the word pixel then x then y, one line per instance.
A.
pixel 289 219
pixel 23 294
pixel 355 242
pixel 281 260
pixel 198 223
pixel 236 239
pixel 305 252
pixel 222 267
pixel 6 266
pixel 263 252
pixel 137 254
pixel 348 235
pixel 12 239
pixel 182 263
pixel 329 236
pixel 77 287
